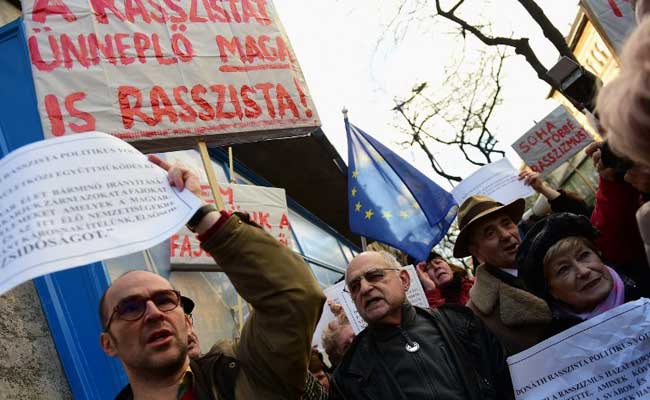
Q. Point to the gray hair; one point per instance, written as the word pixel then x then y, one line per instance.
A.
pixel 389 259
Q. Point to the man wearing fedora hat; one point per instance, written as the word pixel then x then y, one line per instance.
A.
pixel 488 233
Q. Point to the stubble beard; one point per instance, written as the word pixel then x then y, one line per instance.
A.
pixel 154 369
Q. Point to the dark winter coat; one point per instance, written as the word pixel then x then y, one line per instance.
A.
pixel 474 361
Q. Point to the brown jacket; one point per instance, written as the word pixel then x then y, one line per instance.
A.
pixel 275 342
pixel 517 317
pixel 270 359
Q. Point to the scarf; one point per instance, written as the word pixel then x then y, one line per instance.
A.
pixel 615 298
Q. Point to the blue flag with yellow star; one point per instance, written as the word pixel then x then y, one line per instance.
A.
pixel 392 202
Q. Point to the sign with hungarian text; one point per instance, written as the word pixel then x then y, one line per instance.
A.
pixel 265 205
pixel 162 73
pixel 614 20
pixel 604 358
pixel 552 141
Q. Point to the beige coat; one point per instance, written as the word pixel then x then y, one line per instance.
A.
pixel 517 317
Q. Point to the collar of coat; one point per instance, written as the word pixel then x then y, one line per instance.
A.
pixel 516 306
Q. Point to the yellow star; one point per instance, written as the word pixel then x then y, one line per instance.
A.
pixel 354 191
pixel 355 173
pixel 415 205
pixel 387 215
pixel 369 214
pixel 357 207
pixel 404 214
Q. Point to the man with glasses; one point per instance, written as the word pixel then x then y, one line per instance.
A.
pixel 412 353
pixel 147 330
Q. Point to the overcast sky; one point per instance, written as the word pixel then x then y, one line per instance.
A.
pixel 345 63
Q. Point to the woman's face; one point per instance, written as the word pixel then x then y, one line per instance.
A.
pixel 578 278
pixel 439 272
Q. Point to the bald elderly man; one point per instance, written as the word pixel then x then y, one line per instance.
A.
pixel 147 330
pixel 412 353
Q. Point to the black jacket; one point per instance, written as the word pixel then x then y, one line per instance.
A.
pixel 478 357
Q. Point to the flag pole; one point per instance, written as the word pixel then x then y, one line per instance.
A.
pixel 240 302
pixel 364 242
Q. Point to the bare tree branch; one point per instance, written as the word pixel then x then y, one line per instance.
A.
pixel 466 110
pixel 521 46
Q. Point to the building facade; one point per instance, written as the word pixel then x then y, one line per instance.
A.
pixel 49 333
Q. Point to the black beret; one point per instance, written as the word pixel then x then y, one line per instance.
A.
pixel 188 305
pixel 541 237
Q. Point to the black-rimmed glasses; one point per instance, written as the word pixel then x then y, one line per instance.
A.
pixel 132 308
pixel 372 276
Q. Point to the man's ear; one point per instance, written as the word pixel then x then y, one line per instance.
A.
pixel 108 344
pixel 405 278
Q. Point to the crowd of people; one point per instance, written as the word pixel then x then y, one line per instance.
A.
pixel 536 273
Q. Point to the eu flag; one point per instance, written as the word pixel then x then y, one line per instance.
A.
pixel 392 202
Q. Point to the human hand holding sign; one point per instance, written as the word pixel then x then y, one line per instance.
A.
pixel 178 175
pixel 181 177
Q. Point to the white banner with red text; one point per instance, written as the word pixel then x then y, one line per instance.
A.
pixel 148 71
pixel 266 206
pixel 552 141
pixel 613 19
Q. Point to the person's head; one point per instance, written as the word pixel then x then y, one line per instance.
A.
pixel 377 285
pixel 193 344
pixel 488 231
pixel 318 370
pixel 143 325
pixel 624 103
pixel 439 270
pixel 560 263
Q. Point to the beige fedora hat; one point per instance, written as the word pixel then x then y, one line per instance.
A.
pixel 476 208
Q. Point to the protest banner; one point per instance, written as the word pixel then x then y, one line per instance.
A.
pixel 266 206
pixel 79 199
pixel 498 180
pixel 336 294
pixel 162 74
pixel 613 19
pixel 552 141
pixel 604 358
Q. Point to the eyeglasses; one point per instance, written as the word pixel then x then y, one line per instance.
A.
pixel 132 308
pixel 372 276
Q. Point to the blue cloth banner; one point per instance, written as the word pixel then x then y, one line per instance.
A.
pixel 392 202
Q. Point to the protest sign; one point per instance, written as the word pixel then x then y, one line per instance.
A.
pixel 161 74
pixel 79 199
pixel 498 180
pixel 336 294
pixel 614 20
pixel 266 206
pixel 552 141
pixel 604 358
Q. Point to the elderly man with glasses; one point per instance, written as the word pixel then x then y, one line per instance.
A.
pixel 412 353
pixel 147 330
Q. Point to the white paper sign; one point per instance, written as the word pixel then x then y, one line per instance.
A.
pixel 266 206
pixel 498 180
pixel 148 71
pixel 614 19
pixel 79 199
pixel 552 141
pixel 415 296
pixel 604 358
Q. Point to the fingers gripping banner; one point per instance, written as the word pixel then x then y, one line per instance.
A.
pixel 148 71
